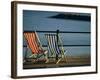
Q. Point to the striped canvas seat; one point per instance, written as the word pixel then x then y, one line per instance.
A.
pixel 55 46
pixel 33 43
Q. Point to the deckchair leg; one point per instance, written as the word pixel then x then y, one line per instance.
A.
pixel 61 58
pixel 47 60
pixel 65 57
pixel 58 61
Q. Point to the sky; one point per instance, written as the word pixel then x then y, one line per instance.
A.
pixel 41 21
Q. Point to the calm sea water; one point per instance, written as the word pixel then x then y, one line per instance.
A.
pixel 39 20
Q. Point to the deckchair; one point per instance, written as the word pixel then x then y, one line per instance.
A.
pixel 34 44
pixel 55 47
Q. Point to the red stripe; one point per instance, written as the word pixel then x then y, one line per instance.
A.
pixel 28 37
pixel 35 44
pixel 32 42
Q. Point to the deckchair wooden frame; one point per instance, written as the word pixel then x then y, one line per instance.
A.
pixel 58 44
pixel 34 44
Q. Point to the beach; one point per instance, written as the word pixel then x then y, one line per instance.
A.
pixel 68 62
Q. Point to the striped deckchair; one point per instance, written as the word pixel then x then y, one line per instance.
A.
pixel 55 47
pixel 33 43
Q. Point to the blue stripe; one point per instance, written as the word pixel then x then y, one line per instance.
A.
pixel 53 44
